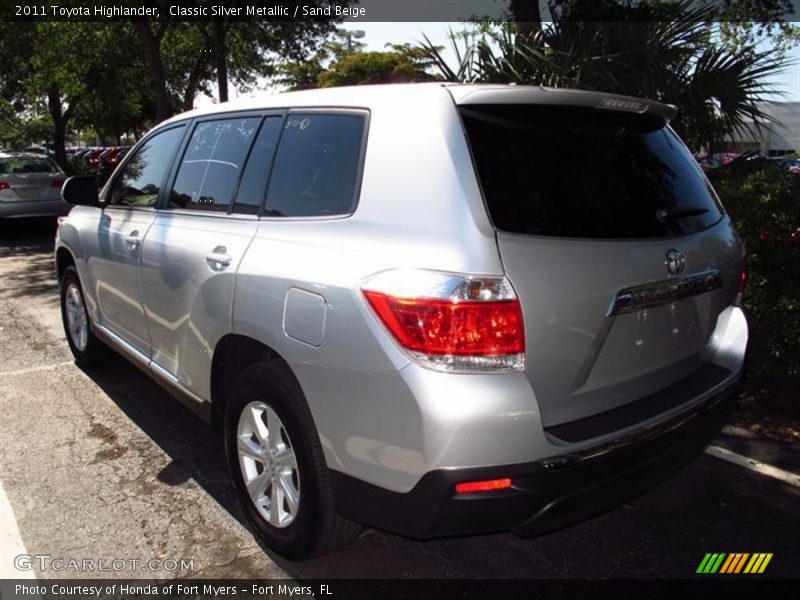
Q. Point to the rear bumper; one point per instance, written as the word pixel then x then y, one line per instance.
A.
pixel 547 494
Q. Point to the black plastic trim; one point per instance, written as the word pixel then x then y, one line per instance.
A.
pixel 541 498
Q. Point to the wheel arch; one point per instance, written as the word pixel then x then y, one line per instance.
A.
pixel 232 354
pixel 64 259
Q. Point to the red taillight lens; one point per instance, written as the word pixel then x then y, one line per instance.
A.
pixel 489 485
pixel 57 183
pixel 4 186
pixel 447 327
pixel 451 322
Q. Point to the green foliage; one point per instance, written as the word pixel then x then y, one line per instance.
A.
pixel 766 209
pixel 661 51
pixel 745 22
pixel 334 65
pixel 18 131
pixel 81 75
pixel 360 68
pixel 74 74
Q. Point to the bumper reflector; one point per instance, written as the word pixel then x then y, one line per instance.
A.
pixel 490 485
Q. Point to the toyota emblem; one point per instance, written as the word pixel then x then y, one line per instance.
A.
pixel 675 261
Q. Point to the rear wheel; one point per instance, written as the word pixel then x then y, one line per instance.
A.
pixel 85 347
pixel 278 466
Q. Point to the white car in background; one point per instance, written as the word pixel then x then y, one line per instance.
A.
pixel 30 186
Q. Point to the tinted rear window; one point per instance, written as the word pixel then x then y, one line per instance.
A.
pixel 568 173
pixel 23 165
pixel 317 166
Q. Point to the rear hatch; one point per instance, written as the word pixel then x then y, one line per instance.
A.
pixel 613 239
pixel 35 187
pixel 30 177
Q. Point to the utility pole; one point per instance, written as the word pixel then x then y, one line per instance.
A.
pixel 357 34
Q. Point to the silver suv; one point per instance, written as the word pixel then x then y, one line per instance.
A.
pixel 432 309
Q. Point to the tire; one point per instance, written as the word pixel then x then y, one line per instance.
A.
pixel 314 527
pixel 90 351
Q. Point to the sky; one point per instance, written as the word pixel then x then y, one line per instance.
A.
pixel 377 35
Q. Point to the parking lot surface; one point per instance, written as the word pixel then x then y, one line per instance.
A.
pixel 105 465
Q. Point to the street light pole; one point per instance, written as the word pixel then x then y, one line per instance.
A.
pixel 357 33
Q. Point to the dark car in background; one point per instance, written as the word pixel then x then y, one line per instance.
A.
pixel 109 159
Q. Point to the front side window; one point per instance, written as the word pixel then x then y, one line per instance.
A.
pixel 212 164
pixel 316 168
pixel 139 181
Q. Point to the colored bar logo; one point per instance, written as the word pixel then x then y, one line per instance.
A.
pixel 735 562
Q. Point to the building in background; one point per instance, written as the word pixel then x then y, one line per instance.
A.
pixel 782 137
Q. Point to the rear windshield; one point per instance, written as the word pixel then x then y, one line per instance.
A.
pixel 586 174
pixel 18 165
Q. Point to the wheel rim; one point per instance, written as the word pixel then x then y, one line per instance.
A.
pixel 77 323
pixel 268 464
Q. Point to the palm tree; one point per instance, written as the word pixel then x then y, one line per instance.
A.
pixel 665 52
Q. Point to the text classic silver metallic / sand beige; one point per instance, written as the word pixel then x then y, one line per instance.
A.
pixel 433 309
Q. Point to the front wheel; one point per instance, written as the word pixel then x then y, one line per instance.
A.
pixel 278 466
pixel 85 346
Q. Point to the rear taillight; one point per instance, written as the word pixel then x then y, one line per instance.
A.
pixel 4 186
pixel 451 322
pixel 57 183
pixel 742 281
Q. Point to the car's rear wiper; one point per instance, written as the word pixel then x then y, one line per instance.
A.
pixel 663 214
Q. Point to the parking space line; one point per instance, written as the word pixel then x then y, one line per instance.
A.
pixel 36 369
pixel 11 544
pixel 754 465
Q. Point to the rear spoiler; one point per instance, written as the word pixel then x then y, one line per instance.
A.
pixel 482 95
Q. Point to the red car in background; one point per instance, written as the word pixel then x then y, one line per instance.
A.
pixel 708 161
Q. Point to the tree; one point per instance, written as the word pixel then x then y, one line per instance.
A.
pixel 19 129
pixel 53 78
pixel 116 102
pixel 75 74
pixel 401 64
pixel 150 35
pixel 334 65
pixel 743 23
pixel 184 56
pixel 304 74
pixel 660 51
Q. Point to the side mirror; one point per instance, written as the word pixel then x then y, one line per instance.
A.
pixel 81 191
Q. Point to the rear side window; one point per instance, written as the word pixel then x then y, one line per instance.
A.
pixel 568 173
pixel 317 166
pixel 212 163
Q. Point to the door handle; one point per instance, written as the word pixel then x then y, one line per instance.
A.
pixel 133 240
pixel 218 258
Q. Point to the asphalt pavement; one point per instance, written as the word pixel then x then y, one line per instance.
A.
pixel 104 465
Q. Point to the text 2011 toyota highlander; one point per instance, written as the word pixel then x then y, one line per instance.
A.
pixel 432 309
